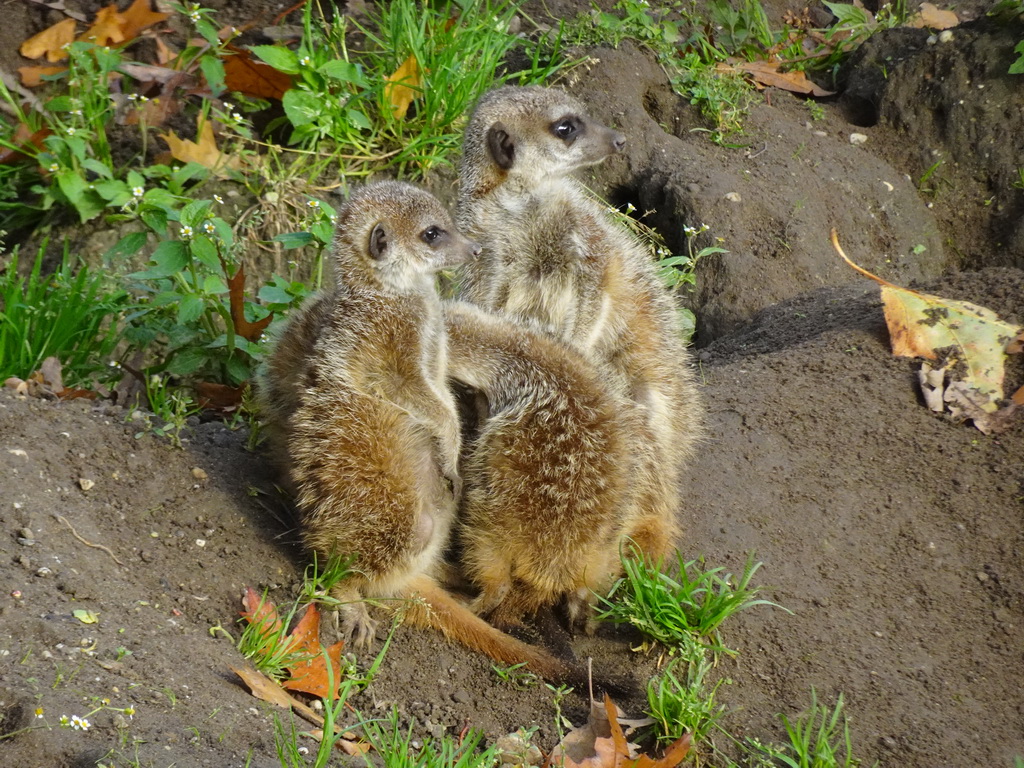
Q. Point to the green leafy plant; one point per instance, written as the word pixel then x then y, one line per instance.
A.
pixel 668 609
pixel 172 407
pixel 265 641
pixel 516 675
pixel 681 701
pixel 73 316
pixel 442 57
pixel 394 748
pixel 819 738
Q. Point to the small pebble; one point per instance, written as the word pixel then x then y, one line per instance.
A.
pixel 982 576
pixel 858 138
pixel 733 197
pixel 85 483
pixel 945 36
pixel 199 474
pixel 462 696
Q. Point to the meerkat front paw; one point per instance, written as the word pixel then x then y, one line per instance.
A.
pixel 357 628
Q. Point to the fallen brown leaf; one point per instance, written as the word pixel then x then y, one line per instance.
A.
pixel 403 86
pixel 50 41
pixel 236 294
pixel 32 77
pixel 23 137
pixel 933 18
pixel 766 73
pixel 244 74
pixel 204 151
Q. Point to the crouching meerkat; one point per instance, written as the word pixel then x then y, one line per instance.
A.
pixel 546 474
pixel 553 259
pixel 357 405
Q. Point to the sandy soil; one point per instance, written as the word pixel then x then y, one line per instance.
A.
pixel 893 535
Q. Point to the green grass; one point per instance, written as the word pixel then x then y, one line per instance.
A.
pixel 819 738
pixel 73 316
pixel 681 700
pixel 394 747
pixel 669 610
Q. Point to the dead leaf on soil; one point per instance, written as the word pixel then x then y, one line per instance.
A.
pixel 403 86
pixel 23 137
pixel 219 397
pixel 236 293
pixel 111 26
pixel 265 689
pixel 309 675
pixel 601 743
pixel 766 73
pixel 50 42
pixel 204 151
pixel 970 341
pixel 244 74
pixel 933 18
pixel 32 77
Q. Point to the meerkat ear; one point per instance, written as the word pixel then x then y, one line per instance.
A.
pixel 500 145
pixel 378 242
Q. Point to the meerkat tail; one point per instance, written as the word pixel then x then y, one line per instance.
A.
pixel 457 623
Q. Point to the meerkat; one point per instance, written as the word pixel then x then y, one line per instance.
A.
pixel 355 396
pixel 553 259
pixel 545 474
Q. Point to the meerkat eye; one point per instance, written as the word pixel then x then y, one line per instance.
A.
pixel 566 129
pixel 431 235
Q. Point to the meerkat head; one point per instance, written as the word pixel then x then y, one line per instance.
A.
pixel 531 134
pixel 395 236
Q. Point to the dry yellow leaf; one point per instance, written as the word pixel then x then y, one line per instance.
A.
pixel 50 41
pixel 204 151
pixel 933 18
pixel 403 86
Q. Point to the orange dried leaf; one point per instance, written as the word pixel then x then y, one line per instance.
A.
pixel 32 77
pixel 310 675
pixel 236 294
pixel 23 137
pixel 253 78
pixel 139 16
pixel 933 18
pixel 403 86
pixel 920 325
pixel 107 29
pixel 50 41
pixel 204 151
pixel 766 73
pixel 219 397
pixel 261 612
pixel 1018 397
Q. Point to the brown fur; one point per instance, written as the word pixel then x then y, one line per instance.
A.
pixel 545 477
pixel 554 260
pixel 356 403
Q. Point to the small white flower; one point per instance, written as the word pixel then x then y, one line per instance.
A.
pixel 133 96
pixel 237 117
pixel 313 203
pixel 218 198
pixel 228 106
pixel 138 191
pixel 186 231
pixel 53 168
pixel 196 18
pixel 209 228
pixel 305 61
pixel 143 99
pixel 130 711
pixel 39 713
pixel 65 721
pixel 72 131
pixel 76 112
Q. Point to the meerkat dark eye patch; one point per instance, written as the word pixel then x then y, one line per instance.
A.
pixel 501 146
pixel 433 235
pixel 568 129
pixel 378 242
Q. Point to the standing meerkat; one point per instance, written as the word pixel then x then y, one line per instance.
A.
pixel 356 400
pixel 546 474
pixel 553 259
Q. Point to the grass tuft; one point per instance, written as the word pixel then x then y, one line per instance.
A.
pixel 670 610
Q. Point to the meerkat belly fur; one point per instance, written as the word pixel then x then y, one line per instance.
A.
pixel 546 475
pixel 554 260
pixel 356 403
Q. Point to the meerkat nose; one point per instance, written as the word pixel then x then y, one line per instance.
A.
pixel 618 141
pixel 475 248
